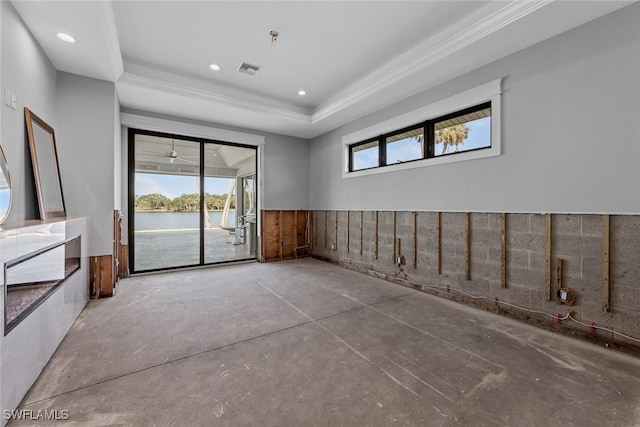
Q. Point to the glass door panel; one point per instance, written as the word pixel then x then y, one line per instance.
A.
pixel 225 234
pixel 166 220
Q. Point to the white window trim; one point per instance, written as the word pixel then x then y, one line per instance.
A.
pixel 487 92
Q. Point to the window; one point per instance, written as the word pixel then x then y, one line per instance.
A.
pixel 405 146
pixel 365 155
pixel 464 126
pixel 462 131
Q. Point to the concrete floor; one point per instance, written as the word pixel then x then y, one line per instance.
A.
pixel 306 343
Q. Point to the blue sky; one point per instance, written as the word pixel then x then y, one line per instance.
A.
pixel 172 186
pixel 409 149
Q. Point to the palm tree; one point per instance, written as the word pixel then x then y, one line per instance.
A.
pixel 452 135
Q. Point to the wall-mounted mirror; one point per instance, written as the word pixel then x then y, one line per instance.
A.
pixel 5 187
pixel 42 144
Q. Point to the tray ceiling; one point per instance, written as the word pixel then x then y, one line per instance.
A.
pixel 351 58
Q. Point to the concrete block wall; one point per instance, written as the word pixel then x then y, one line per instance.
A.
pixel 576 239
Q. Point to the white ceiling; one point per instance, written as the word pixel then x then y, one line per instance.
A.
pixel 351 57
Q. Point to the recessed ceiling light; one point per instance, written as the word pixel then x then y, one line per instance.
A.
pixel 302 92
pixel 214 67
pixel 66 38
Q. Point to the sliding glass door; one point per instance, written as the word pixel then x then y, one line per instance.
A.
pixel 192 202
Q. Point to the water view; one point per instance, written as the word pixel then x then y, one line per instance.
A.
pixel 178 220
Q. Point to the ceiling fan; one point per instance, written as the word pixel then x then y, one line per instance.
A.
pixel 172 155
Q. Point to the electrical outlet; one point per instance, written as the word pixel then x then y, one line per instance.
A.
pixel 333 246
pixel 14 101
pixel 401 260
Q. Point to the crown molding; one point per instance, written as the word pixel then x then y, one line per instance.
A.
pixel 426 54
pixel 156 124
pixel 105 11
pixel 227 101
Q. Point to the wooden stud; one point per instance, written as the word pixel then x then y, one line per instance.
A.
pixel 262 231
pixel 348 232
pixel 395 255
pixel 415 240
pixel 558 274
pixel 326 226
pixel 467 238
pixel 335 240
pixel 547 258
pixel 439 241
pixel 280 239
pixel 503 249
pixel 311 230
pixel 606 306
pixel 101 276
pixel 307 234
pixel 295 227
pixel 376 240
pixel 361 226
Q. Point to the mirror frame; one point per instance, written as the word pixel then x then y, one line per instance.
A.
pixel 46 212
pixel 3 158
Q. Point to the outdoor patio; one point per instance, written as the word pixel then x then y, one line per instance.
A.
pixel 155 249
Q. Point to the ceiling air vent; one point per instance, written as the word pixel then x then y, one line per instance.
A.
pixel 250 69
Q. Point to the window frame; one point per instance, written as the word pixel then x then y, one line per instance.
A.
pixel 358 144
pixel 383 141
pixel 460 113
pixel 475 99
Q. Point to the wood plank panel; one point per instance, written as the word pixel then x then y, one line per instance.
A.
pixel 289 234
pixel 270 235
pixel 102 278
pixel 123 270
pixel 303 243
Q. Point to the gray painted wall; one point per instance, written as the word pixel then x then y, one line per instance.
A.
pixel 570 135
pixel 28 73
pixel 286 173
pixel 86 150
